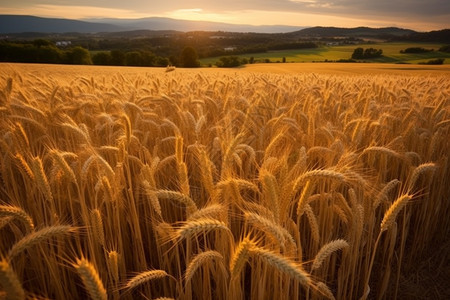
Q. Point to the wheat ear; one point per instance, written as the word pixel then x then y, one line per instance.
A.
pixel 24 165
pixel 91 280
pixel 151 194
pixel 113 265
pixel 392 212
pixel 283 264
pixel 326 174
pixel 315 235
pixel 383 195
pixel 240 256
pixel 326 251
pixel 18 213
pixel 178 197
pixel 325 290
pixel 199 260
pixel 10 282
pixel 195 227
pixel 5 221
pixel 41 179
pixel 210 211
pixel 303 200
pixel 37 237
pixel 423 168
pixel 144 277
pixel 59 159
pixel 267 226
pixel 269 183
pixel 97 226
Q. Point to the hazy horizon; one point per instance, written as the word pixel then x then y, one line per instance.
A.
pixel 411 14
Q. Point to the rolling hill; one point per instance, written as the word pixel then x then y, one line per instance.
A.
pixel 17 24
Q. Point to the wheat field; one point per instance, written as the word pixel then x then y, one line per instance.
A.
pixel 222 184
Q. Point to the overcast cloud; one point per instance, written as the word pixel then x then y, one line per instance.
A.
pixel 426 13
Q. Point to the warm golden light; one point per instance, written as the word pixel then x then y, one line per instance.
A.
pixel 314 13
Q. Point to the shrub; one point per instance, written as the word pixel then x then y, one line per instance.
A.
pixel 416 50
pixel 360 53
pixel 437 61
pixel 231 62
pixel 445 49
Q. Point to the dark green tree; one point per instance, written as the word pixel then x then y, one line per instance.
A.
pixel 162 61
pixel 79 56
pixel 148 59
pixel 445 48
pixel 358 53
pixel 189 58
pixel 174 60
pixel 231 62
pixel 48 54
pixel 42 42
pixel 102 58
pixel 117 58
pixel 133 58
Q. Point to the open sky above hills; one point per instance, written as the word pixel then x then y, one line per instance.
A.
pixel 414 14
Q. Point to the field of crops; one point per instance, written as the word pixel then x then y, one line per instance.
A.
pixel 391 54
pixel 194 184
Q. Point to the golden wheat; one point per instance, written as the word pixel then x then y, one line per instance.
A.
pixel 224 180
pixel 91 280
pixel 39 236
pixel 10 283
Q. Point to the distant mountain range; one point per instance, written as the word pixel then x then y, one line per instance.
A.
pixel 17 24
pixel 354 32
pixel 27 26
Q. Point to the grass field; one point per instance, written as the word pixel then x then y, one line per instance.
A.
pixel 307 181
pixel 391 54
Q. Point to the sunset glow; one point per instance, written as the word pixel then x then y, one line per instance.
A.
pixel 418 15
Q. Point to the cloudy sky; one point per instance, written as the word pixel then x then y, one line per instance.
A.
pixel 414 14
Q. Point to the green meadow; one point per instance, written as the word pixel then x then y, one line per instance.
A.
pixel 391 54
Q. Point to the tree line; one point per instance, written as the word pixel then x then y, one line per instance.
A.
pixel 43 51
